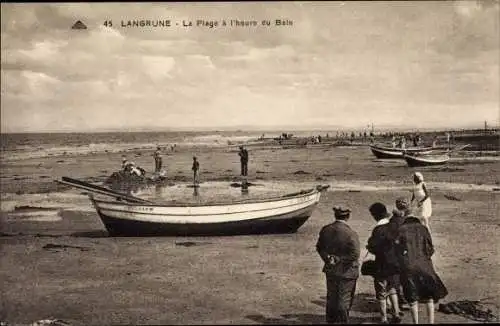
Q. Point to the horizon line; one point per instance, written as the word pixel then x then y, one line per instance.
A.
pixel 383 128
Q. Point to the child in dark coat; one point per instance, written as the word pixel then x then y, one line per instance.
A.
pixel 386 279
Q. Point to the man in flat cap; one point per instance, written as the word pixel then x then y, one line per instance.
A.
pixel 338 246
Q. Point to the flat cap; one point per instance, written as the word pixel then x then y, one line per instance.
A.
pixel 341 212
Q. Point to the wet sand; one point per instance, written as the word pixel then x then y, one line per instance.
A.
pixel 69 269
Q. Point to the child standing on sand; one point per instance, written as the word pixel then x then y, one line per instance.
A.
pixel 421 200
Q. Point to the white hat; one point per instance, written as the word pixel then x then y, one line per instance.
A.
pixel 419 176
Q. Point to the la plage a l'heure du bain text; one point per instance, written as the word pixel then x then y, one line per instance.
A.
pixel 200 23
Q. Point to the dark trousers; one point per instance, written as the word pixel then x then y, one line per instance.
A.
pixel 157 165
pixel 244 168
pixel 339 297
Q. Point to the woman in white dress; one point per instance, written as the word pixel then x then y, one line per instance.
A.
pixel 421 200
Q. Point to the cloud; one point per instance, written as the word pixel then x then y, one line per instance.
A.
pixel 385 62
pixel 158 67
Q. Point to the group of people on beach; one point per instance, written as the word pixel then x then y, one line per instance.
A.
pixel 402 270
pixel 130 168
pixel 400 142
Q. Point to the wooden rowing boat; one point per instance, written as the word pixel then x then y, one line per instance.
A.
pixel 426 160
pixel 128 216
pixel 383 152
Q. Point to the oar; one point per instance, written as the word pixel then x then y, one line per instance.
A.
pixel 101 190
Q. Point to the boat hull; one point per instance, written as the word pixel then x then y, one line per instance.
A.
pixel 285 223
pixel 396 153
pixel 423 161
pixel 384 154
pixel 285 215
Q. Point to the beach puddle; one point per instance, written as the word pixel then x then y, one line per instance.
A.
pixel 36 216
pixel 42 207
pixel 217 191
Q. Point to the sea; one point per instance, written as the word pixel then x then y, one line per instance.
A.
pixel 20 146
pixel 17 147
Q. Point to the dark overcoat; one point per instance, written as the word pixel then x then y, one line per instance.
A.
pixel 382 244
pixel 414 249
pixel 339 240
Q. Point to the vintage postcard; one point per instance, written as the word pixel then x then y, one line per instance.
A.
pixel 301 162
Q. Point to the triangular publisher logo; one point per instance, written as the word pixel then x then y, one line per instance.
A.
pixel 79 25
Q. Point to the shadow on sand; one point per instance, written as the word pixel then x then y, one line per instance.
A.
pixel 363 304
pixel 91 234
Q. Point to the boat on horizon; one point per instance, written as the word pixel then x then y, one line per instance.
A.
pixel 132 216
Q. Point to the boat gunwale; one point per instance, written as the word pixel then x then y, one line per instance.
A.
pixel 311 203
pixel 309 192
pixel 401 150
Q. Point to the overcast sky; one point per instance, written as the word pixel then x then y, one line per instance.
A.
pixel 420 64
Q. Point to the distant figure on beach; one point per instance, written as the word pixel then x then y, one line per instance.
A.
pixel 243 153
pixel 338 247
pixel 434 141
pixel 393 141
pixel 196 169
pixel 124 162
pixel 353 135
pixel 415 141
pixel 421 200
pixel 402 142
pixel 158 160
pixel 132 168
pixel 420 281
pixel 386 278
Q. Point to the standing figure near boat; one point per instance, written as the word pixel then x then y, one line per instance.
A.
pixel 421 200
pixel 338 247
pixel 448 140
pixel 402 142
pixel 434 141
pixel 243 153
pixel 158 160
pixel 124 162
pixel 393 141
pixel 196 169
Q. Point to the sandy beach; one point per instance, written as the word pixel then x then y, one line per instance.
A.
pixel 58 262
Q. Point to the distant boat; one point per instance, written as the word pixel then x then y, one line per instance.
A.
pixel 426 160
pixel 383 152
